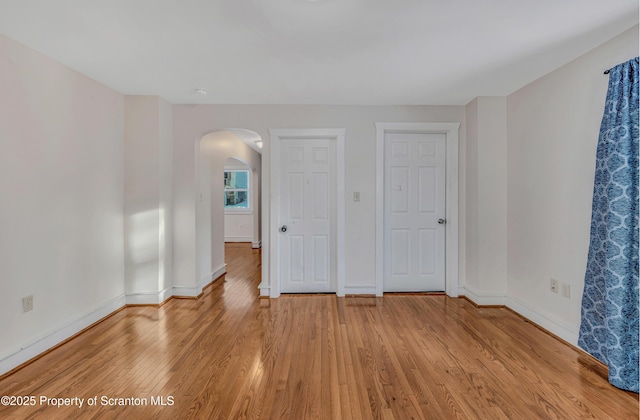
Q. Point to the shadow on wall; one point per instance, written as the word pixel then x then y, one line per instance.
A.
pixel 146 257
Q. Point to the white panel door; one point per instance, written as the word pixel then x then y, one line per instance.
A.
pixel 414 186
pixel 307 216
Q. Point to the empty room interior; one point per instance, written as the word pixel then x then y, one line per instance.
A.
pixel 318 209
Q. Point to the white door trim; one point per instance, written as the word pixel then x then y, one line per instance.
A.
pixel 451 233
pixel 337 134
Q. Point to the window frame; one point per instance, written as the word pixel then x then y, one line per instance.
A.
pixel 237 210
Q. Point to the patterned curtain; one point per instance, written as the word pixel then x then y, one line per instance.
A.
pixel 609 327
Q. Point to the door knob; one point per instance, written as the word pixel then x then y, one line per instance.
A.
pixel 442 221
pixel 283 228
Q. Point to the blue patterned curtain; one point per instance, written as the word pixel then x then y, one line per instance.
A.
pixel 609 327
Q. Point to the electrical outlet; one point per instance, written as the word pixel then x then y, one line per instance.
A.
pixel 566 290
pixel 27 303
pixel 554 285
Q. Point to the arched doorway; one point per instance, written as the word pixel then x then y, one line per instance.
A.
pixel 213 152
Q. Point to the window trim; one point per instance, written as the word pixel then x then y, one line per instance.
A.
pixel 239 210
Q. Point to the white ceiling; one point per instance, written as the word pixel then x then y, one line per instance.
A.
pixel 355 52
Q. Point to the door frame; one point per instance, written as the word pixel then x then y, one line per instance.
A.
pixel 276 136
pixel 450 130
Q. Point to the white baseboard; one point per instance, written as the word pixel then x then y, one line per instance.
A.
pixel 151 298
pixel 359 290
pixel 217 273
pixel 546 321
pixel 536 315
pixel 238 238
pixel 187 291
pixel 484 299
pixel 195 291
pixel 205 281
pixel 28 351
pixel 53 338
pixel 256 245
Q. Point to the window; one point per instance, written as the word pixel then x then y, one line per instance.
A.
pixel 236 190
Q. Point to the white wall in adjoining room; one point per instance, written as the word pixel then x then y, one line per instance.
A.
pixel 360 155
pixel 61 183
pixel 238 227
pixel 553 125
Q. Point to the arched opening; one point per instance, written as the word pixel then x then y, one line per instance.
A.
pixel 215 152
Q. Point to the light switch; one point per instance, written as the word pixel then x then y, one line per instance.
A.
pixel 356 196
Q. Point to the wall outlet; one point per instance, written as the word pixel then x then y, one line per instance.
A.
pixel 27 303
pixel 566 290
pixel 553 286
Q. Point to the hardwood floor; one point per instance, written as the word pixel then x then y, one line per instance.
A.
pixel 231 355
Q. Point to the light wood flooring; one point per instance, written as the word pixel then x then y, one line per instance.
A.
pixel 231 355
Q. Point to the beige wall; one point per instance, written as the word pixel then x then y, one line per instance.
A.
pixel 486 201
pixel 553 126
pixel 190 122
pixel 61 187
pixel 148 200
